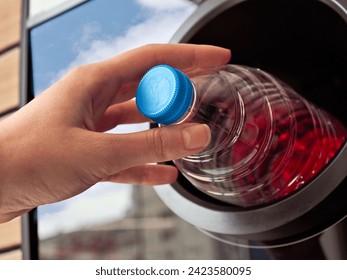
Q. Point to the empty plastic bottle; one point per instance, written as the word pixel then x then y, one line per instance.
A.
pixel 267 141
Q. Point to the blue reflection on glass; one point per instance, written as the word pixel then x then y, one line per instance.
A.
pixel 92 32
pixel 98 30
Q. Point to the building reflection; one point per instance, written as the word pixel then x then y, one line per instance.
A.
pixel 150 231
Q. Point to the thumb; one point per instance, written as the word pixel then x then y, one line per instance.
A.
pixel 123 151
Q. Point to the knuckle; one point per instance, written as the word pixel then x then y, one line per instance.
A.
pixel 145 176
pixel 83 72
pixel 78 71
pixel 157 142
pixel 149 47
pixel 90 75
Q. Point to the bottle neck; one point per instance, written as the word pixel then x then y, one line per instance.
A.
pixel 192 110
pixel 218 106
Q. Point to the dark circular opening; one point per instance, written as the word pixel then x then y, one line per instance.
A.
pixel 302 42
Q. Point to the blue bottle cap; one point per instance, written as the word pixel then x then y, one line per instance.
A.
pixel 164 94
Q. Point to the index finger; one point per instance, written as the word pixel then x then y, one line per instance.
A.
pixel 130 66
pixel 113 80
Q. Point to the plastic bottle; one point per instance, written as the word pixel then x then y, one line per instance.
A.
pixel 267 141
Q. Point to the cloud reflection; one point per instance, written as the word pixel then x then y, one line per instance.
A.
pixel 161 22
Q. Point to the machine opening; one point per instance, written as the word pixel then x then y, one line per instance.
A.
pixel 303 43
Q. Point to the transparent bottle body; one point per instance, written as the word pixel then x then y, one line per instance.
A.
pixel 267 141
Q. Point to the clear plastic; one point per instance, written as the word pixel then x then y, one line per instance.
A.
pixel 267 141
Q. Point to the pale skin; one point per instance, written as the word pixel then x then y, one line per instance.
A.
pixel 54 147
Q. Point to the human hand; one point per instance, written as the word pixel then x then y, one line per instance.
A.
pixel 53 148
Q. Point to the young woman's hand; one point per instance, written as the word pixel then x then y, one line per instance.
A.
pixel 53 148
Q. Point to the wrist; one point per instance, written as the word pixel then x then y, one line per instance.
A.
pixel 7 188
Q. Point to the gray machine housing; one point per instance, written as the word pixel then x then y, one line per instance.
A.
pixel 304 43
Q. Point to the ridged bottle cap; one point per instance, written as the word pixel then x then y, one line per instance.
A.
pixel 164 94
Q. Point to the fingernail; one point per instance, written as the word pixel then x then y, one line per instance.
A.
pixel 196 136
